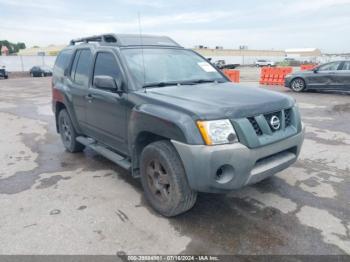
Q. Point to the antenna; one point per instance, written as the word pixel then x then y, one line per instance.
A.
pixel 143 59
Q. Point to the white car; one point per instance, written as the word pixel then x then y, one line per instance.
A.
pixel 260 63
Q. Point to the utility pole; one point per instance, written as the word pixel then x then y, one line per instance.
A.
pixel 22 66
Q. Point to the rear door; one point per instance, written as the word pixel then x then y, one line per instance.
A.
pixel 324 77
pixel 78 82
pixel 344 76
pixel 106 110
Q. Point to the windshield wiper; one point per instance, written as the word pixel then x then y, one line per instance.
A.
pixel 200 81
pixel 190 82
pixel 160 84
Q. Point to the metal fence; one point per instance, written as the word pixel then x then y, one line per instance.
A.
pixel 249 60
pixel 24 63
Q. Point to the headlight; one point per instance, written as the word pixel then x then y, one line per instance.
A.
pixel 217 132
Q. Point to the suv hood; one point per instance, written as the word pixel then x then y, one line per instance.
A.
pixel 219 100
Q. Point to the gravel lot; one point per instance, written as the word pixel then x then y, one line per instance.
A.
pixel 54 202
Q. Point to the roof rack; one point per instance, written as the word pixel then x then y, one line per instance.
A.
pixel 106 38
pixel 128 40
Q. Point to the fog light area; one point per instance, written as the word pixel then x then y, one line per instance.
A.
pixel 224 174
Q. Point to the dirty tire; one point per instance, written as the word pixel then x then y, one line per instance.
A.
pixel 165 184
pixel 298 84
pixel 67 132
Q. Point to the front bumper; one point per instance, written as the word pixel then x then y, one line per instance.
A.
pixel 287 81
pixel 222 168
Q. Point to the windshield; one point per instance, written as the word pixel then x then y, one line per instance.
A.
pixel 151 66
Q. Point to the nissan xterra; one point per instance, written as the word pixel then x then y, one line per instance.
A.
pixel 171 118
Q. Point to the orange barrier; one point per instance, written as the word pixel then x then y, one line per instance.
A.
pixel 274 75
pixel 306 67
pixel 233 75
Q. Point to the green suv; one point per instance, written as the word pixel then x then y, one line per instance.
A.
pixel 170 117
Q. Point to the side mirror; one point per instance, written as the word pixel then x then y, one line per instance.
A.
pixel 315 70
pixel 108 82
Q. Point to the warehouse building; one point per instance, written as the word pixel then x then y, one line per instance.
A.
pixel 247 56
pixel 303 52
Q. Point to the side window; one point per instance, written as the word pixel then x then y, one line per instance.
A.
pixel 106 65
pixel 346 66
pixel 81 75
pixel 329 67
pixel 62 61
pixel 74 65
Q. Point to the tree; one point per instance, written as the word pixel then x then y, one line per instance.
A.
pixel 13 47
pixel 21 45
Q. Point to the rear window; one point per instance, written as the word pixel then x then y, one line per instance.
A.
pixel 62 61
pixel 82 69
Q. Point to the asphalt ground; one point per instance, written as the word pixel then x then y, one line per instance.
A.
pixel 54 202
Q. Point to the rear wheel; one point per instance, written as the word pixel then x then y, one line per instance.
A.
pixel 298 85
pixel 164 179
pixel 67 132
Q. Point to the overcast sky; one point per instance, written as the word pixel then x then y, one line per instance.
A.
pixel 259 24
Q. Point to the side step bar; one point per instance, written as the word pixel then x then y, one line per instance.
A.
pixel 107 153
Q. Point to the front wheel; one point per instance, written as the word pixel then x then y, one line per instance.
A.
pixel 67 132
pixel 164 180
pixel 298 85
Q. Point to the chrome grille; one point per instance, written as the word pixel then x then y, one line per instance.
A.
pixel 267 117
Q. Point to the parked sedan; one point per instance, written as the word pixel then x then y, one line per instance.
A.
pixel 331 76
pixel 3 73
pixel 40 71
pixel 261 62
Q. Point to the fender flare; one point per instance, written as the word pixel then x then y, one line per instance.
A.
pixel 61 97
pixel 163 123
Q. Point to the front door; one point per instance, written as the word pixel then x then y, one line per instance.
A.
pixel 324 77
pixel 105 109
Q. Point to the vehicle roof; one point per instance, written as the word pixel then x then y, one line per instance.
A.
pixel 127 40
pixel 335 61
